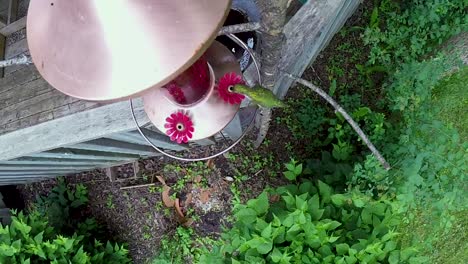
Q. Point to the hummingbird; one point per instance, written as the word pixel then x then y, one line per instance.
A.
pixel 259 95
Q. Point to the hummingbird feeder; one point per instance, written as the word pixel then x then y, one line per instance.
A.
pixel 162 51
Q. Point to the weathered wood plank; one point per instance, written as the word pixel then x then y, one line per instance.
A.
pixel 29 90
pixel 13 50
pixel 42 167
pixel 12 11
pixel 110 145
pixel 42 102
pixel 29 161
pixel 307 32
pixel 13 27
pixel 64 153
pixel 71 129
pixel 33 173
pixel 18 78
pixel 23 181
pixel 17 48
pixel 16 179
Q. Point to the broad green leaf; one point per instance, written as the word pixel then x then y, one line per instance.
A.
pixel 301 203
pixel 290 175
pixel 358 202
pixel 351 259
pixel 332 89
pixel 325 192
pixel 361 112
pixel 266 233
pixel 298 169
pixel 260 205
pixel 314 203
pixel 342 249
pixel 302 218
pixel 276 255
pixel 332 239
pixel 279 235
pixel 246 216
pixel 338 199
pixel 317 214
pixel 394 257
pixel 289 200
pixel 6 250
pixel 406 253
pixel 366 216
pixel 17 245
pixel 307 187
pixel 22 227
pixel 262 245
pixel 38 237
pixel 261 224
pixel 276 221
pixel 325 251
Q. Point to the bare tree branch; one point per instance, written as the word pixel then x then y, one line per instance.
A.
pixel 245 27
pixel 21 59
pixel 272 40
pixel 348 118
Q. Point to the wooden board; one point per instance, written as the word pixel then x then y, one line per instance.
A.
pixel 71 129
pixel 13 27
pixel 307 33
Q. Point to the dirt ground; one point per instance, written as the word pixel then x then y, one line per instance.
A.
pixel 138 215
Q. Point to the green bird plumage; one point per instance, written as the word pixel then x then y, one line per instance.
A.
pixel 259 95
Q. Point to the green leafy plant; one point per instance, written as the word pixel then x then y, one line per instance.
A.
pixel 62 203
pixel 312 224
pixel 184 246
pixel 29 239
pixel 110 202
pixel 51 233
pixel 413 29
pixel 293 170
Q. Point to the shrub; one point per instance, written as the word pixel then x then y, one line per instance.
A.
pixel 412 29
pixel 309 223
pixel 29 239
pixel 33 239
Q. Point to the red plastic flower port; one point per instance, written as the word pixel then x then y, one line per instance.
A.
pixel 179 127
pixel 200 74
pixel 176 93
pixel 225 85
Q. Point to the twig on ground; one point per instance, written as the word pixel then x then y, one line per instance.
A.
pixel 348 118
pixel 245 27
pixel 19 60
pixel 137 186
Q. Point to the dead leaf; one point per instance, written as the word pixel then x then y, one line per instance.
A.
pixel 161 179
pixel 179 209
pixel 197 179
pixel 188 223
pixel 188 200
pixel 210 163
pixel 274 198
pixel 205 195
pixel 167 200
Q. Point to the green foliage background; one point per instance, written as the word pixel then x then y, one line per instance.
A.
pixel 48 234
pixel 418 121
